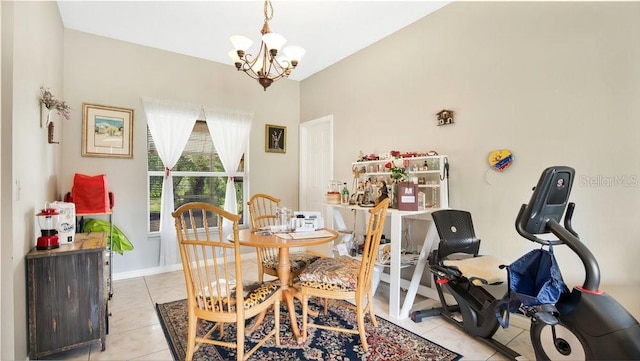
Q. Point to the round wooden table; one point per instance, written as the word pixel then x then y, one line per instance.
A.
pixel 283 243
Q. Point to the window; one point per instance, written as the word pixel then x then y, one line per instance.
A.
pixel 197 177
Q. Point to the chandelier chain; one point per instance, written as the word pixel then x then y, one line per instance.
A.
pixel 265 27
pixel 268 9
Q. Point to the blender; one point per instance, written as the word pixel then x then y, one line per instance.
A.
pixel 48 222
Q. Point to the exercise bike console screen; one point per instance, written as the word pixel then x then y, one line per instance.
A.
pixel 549 199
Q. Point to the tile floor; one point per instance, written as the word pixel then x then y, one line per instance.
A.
pixel 135 332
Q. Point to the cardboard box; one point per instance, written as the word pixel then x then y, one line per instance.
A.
pixel 66 221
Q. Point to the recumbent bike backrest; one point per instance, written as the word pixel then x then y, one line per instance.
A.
pixel 455 229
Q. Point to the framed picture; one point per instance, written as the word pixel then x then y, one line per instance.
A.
pixel 275 140
pixel 107 131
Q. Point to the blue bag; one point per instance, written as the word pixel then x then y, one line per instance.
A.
pixel 534 279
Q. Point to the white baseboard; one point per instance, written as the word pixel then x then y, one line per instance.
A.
pixel 163 269
pixel 147 272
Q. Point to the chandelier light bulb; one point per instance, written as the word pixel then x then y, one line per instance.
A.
pixel 273 41
pixel 233 54
pixel 241 43
pixel 294 54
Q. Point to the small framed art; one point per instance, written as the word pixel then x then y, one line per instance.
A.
pixel 275 140
pixel 107 131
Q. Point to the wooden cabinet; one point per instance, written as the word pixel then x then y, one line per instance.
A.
pixel 429 172
pixel 66 295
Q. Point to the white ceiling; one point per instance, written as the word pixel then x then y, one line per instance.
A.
pixel 329 30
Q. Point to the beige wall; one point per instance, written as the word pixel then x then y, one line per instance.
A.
pixel 557 83
pixel 31 57
pixel 104 71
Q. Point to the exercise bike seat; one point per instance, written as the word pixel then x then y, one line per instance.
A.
pixel 480 270
pixel 458 239
pixel 458 249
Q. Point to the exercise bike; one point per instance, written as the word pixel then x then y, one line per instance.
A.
pixel 583 324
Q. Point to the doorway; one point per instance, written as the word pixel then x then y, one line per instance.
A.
pixel 316 162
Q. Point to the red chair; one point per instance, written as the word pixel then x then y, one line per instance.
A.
pixel 90 194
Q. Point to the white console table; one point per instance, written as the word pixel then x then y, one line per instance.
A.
pixel 336 222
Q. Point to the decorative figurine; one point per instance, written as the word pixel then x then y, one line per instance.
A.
pixel 368 198
pixel 383 192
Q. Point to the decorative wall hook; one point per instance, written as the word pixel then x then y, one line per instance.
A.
pixel 445 117
pixel 50 133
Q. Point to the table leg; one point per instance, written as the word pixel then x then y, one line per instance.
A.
pixel 288 293
pixel 430 238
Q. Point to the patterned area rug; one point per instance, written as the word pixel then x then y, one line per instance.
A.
pixel 386 342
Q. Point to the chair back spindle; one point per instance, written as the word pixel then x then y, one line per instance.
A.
pixel 262 210
pixel 371 246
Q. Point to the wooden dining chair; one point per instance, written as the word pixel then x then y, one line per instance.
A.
pixel 262 211
pixel 346 278
pixel 213 274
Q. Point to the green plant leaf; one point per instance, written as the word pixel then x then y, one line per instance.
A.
pixel 120 242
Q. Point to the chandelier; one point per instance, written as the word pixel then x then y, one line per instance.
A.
pixel 268 66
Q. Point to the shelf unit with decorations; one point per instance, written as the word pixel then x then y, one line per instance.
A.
pixel 431 173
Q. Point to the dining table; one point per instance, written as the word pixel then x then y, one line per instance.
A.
pixel 284 241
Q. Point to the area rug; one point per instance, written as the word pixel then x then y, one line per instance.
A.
pixel 387 342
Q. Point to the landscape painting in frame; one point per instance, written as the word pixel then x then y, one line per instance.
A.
pixel 107 131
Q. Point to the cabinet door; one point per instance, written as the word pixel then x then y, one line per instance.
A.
pixel 68 300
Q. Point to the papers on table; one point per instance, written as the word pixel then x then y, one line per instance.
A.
pixel 305 235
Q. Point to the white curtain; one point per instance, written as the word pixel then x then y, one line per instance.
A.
pixel 230 134
pixel 170 125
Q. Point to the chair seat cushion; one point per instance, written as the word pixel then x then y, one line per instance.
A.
pixel 299 261
pixel 254 296
pixel 338 274
pixel 260 294
pixel 481 270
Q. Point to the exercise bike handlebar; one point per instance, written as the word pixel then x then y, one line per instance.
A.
pixel 566 235
pixel 592 277
pixel 592 270
pixel 567 219
pixel 520 227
